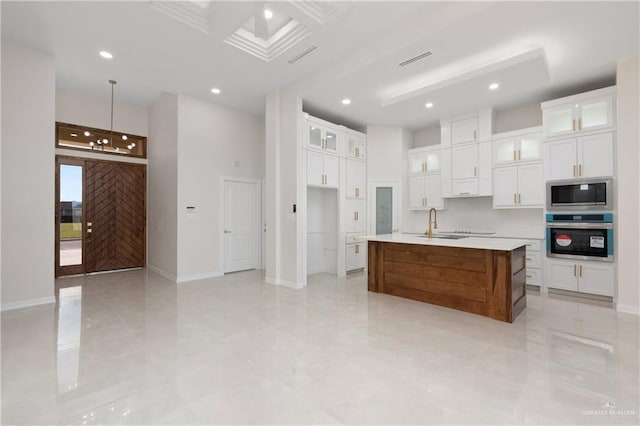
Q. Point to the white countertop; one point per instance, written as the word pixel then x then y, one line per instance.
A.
pixel 504 244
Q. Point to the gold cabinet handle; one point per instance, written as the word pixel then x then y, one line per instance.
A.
pixel 357 192
pixel 580 271
pixel 475 134
pixel 574 170
pixel 514 198
pixel 519 198
pixel 226 231
pixel 519 155
pixel 579 169
pixel 355 215
pixel 574 124
pixel 514 155
pixel 580 126
pixel 357 249
pixel 475 170
pixel 575 267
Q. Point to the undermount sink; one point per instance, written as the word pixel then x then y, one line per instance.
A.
pixel 446 237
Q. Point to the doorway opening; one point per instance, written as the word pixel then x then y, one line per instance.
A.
pixel 100 222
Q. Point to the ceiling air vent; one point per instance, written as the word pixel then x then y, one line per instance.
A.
pixel 415 58
pixel 302 54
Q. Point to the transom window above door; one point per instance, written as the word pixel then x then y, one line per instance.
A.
pixel 89 139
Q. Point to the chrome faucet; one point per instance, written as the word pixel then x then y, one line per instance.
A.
pixel 429 232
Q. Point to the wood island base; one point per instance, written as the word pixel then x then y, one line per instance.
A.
pixel 484 282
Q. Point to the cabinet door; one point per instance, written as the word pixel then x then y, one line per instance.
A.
pixel 356 146
pixel 445 171
pixel 505 187
pixel 464 162
pixel 483 170
pixel 464 187
pixel 354 216
pixel 433 160
pixel 356 173
pixel 433 191
pixel 529 147
pixel 560 159
pixel 596 278
pixel 531 185
pixel 562 275
pixel 417 192
pixel 464 130
pixel 314 135
pixel 559 120
pixel 355 256
pixel 417 162
pixel 595 155
pixel 331 140
pixel 331 171
pixel 315 171
pixel 504 151
pixel 596 114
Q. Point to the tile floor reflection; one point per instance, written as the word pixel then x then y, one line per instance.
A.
pixel 134 348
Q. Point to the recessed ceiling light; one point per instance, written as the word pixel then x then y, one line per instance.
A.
pixel 429 104
pixel 74 135
pixel 346 101
pixel 125 137
pixel 87 133
pixel 493 86
pixel 215 91
pixel 106 55
pixel 268 14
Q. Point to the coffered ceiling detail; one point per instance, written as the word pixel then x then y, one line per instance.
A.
pixel 193 13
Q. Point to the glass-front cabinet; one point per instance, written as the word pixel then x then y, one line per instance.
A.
pixel 356 144
pixel 580 113
pixel 424 160
pixel 514 148
pixel 321 137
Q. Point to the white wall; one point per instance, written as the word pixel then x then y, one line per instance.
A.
pixel 210 139
pixel 162 183
pixel 477 214
pixel 93 111
pixel 427 136
pixel 387 148
pixel 517 118
pixel 627 250
pixel 28 170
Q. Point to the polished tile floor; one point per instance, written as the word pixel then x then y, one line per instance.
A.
pixel 134 348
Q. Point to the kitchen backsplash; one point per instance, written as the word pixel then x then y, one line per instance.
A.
pixel 477 214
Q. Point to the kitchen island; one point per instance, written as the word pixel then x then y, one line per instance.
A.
pixel 485 276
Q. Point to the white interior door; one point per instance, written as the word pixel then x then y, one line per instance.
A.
pixel 242 212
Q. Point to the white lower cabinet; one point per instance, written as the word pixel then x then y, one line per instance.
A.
pixel 533 257
pixel 581 276
pixel 354 218
pixel 356 254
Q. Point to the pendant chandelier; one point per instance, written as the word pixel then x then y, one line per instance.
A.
pixel 103 143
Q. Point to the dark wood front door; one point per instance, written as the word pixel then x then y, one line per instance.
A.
pixel 112 232
pixel 114 216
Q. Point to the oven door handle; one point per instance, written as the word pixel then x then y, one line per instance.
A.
pixel 580 225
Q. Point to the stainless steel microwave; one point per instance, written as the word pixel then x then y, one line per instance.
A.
pixel 580 194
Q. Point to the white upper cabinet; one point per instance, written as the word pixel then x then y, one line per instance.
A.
pixel 356 144
pixel 322 169
pixel 321 136
pixel 583 157
pixel 579 113
pixel 516 147
pixel 518 187
pixel 425 192
pixel 424 160
pixel 464 162
pixel 465 130
pixel 356 179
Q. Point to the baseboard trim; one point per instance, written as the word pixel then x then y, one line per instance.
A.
pixel 628 309
pixel 283 283
pixel 162 272
pixel 28 303
pixel 196 277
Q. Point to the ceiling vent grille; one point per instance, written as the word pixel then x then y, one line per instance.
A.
pixel 414 59
pixel 302 54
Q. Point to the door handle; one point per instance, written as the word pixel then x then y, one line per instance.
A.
pixel 227 232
